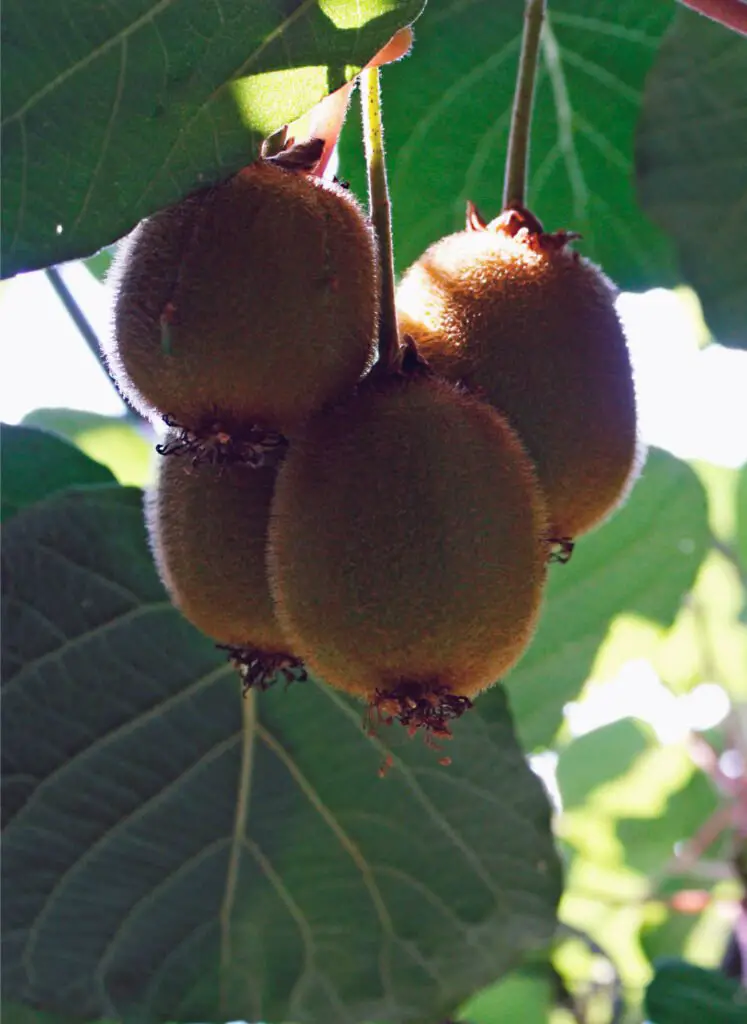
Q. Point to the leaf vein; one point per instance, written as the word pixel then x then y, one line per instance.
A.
pixel 564 115
pixel 127 922
pixel 350 847
pixel 99 51
pixel 238 73
pixel 241 820
pixel 420 129
pixel 106 140
pixel 33 665
pixel 435 815
pixel 144 808
pixel 295 911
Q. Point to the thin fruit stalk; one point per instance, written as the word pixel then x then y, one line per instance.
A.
pixel 380 210
pixel 514 187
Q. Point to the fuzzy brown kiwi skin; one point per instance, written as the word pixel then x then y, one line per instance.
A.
pixel 528 324
pixel 207 526
pixel 254 302
pixel 406 548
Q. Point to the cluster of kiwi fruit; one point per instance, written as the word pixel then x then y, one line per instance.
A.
pixel 386 524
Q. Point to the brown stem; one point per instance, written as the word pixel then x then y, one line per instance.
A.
pixel 517 158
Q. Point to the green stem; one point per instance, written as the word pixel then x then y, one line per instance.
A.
pixel 381 214
pixel 514 188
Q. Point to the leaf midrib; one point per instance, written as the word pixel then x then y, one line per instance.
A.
pixel 241 820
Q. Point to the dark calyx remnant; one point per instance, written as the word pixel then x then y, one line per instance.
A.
pixel 216 443
pixel 296 156
pixel 259 670
pixel 420 706
pixel 561 549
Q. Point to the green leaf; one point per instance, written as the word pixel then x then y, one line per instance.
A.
pixel 644 560
pixel 523 996
pixel 36 464
pixel 669 933
pixel 690 155
pixel 447 112
pixel 742 517
pixel 100 263
pixel 124 444
pixel 174 853
pixel 649 842
pixel 682 993
pixel 111 112
pixel 16 1013
pixel 598 757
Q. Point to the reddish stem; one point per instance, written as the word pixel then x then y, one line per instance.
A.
pixel 731 13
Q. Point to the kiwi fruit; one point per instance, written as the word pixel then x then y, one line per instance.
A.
pixel 530 326
pixel 253 302
pixel 208 531
pixel 405 547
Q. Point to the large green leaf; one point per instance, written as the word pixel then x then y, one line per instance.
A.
pixel 447 113
pixel 36 464
pixel 123 443
pixel 690 158
pixel 598 757
pixel 17 1013
pixel 644 560
pixel 683 993
pixel 174 853
pixel 524 996
pixel 100 263
pixel 111 111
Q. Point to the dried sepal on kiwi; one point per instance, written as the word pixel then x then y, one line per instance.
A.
pixel 519 222
pixel 207 525
pixel 560 550
pixel 524 321
pixel 418 707
pixel 407 553
pixel 257 297
pixel 258 670
pixel 426 711
pixel 217 444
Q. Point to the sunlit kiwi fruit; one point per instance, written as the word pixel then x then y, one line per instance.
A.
pixel 406 548
pixel 530 325
pixel 208 531
pixel 253 302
